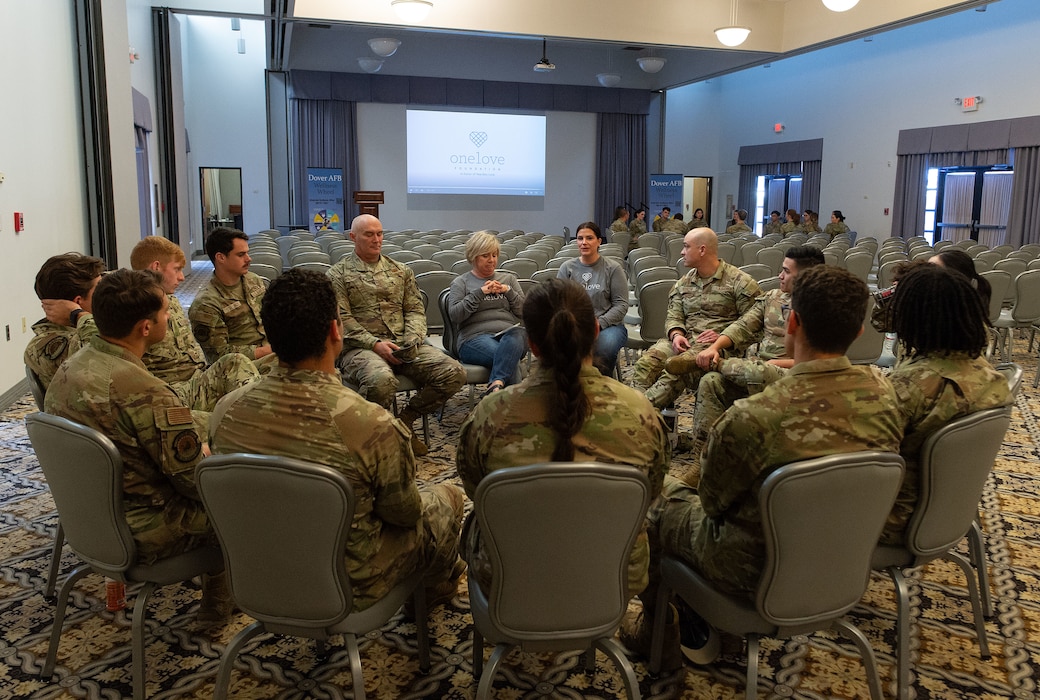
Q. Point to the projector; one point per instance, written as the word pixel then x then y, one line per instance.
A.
pixel 544 66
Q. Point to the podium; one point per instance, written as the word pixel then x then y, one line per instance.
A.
pixel 368 201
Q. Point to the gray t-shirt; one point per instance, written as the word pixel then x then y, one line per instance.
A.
pixel 475 312
pixel 606 283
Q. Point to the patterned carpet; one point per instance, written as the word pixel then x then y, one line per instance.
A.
pixel 94 657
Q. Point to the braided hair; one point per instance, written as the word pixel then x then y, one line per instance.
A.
pixel 936 311
pixel 561 324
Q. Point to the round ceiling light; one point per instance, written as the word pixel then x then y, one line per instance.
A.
pixel 384 47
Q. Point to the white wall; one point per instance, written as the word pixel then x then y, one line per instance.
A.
pixel 569 180
pixel 857 97
pixel 41 156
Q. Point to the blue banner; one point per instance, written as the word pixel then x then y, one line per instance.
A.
pixel 325 199
pixel 665 191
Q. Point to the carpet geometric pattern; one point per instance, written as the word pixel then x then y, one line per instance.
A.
pixel 94 655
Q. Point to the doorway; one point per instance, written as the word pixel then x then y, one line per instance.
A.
pixel 221 199
pixel 974 203
pixel 696 195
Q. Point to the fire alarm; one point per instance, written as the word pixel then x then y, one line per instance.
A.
pixel 778 128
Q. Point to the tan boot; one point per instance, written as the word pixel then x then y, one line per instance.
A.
pixel 217 603
pixel 681 364
pixel 637 629
pixel 408 416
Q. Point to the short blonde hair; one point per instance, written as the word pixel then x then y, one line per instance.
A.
pixel 152 248
pixel 480 243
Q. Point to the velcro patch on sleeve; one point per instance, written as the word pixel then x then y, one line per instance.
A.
pixel 178 415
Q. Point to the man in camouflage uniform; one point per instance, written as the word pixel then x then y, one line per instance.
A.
pixel 701 304
pixel 774 224
pixel 765 323
pixel 105 386
pixel 739 223
pixel 178 359
pixel 384 329
pixel 942 327
pixel 225 316
pixel 301 410
pixel 823 406
pixel 620 223
pixel 65 285
pixel 674 225
pixel 665 215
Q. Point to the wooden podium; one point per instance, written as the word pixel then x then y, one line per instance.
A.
pixel 368 201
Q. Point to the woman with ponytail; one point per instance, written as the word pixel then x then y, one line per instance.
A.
pixel 564 411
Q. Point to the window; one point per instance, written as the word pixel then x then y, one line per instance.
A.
pixel 968 203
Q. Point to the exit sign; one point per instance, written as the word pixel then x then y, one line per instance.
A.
pixel 969 104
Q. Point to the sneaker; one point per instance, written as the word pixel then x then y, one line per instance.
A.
pixel 682 363
pixel 699 642
pixel 636 634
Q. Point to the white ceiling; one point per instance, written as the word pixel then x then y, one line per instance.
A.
pixel 502 39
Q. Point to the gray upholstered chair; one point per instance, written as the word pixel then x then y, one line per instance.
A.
pixel 567 592
pixel 955 462
pixel 38 392
pixel 85 474
pixel 262 509
pixel 821 518
pixel 758 271
pixel 475 374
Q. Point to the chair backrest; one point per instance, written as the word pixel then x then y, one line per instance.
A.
pixel 653 274
pixel 859 264
pixel 999 281
pixel 450 336
pixel 402 255
pixel 769 283
pixel 867 348
pixel 652 240
pixel 955 461
pixel 645 262
pixel 548 273
pixel 35 386
pixel 653 308
pixel 1013 267
pixel 304 256
pixel 432 283
pixel 85 474
pixel 265 258
pixel 886 271
pixel 773 257
pixel 539 256
pixel 758 271
pixel 447 258
pixel 268 272
pixel 622 238
pixel 571 587
pixel 1027 296
pixel 521 266
pixel 1013 373
pixel 420 266
pixel 822 518
pixel 283 526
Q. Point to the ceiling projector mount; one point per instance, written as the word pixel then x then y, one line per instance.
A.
pixel 544 66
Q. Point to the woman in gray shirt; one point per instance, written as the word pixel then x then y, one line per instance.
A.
pixel 605 282
pixel 485 305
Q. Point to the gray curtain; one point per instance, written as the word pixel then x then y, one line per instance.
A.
pixel 324 135
pixel 749 175
pixel 810 170
pixel 908 204
pixel 621 172
pixel 811 178
pixel 1024 221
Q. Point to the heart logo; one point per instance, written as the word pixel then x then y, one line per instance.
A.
pixel 586 276
pixel 478 138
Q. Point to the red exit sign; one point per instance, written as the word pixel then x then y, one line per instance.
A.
pixel 969 104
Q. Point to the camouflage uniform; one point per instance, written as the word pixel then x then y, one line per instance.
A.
pixel 821 407
pixel 833 229
pixel 52 344
pixel 637 227
pixel 107 388
pixel 227 319
pixel 381 302
pixel 310 415
pixel 774 227
pixel 698 223
pixel 674 226
pixel 933 391
pixel 179 360
pixel 658 223
pixel 619 226
pixel 737 378
pixel 737 229
pixel 510 429
pixel 790 227
pixel 695 304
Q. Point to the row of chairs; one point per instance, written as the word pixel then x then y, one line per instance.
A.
pixel 579 602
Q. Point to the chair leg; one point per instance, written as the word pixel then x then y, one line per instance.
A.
pixel 657 632
pixel 52 574
pixel 227 661
pixel 137 637
pixel 612 649
pixel 355 666
pixel 977 549
pixel 422 632
pixel 976 602
pixel 477 653
pixel 59 618
pixel 867 652
pixel 902 634
pixel 487 678
pixel 751 689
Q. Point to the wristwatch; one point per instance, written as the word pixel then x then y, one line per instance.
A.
pixel 74 316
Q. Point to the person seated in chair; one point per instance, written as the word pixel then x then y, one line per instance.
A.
pixel 65 285
pixel 384 329
pixel 105 386
pixel 485 305
pixel 943 328
pixel 824 405
pixel 302 410
pixel 564 411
